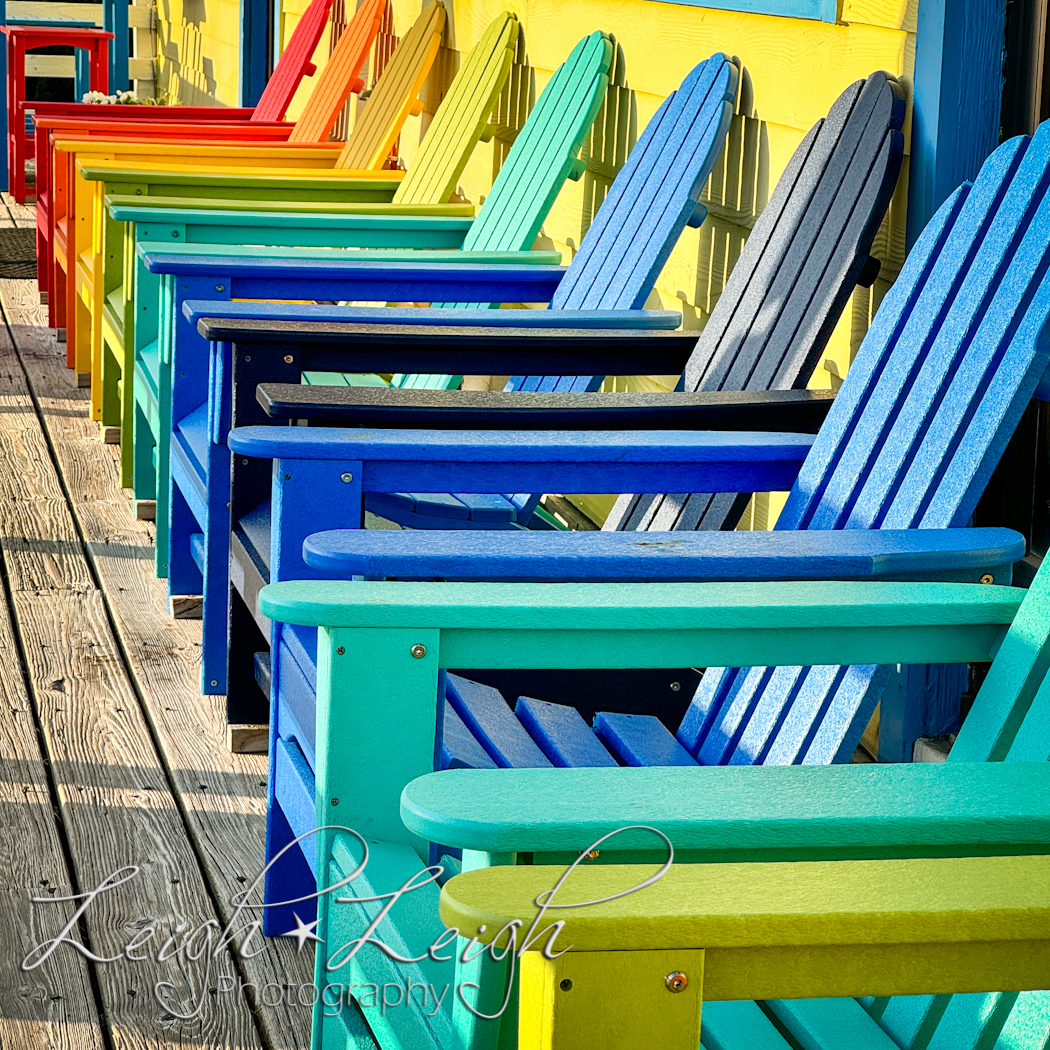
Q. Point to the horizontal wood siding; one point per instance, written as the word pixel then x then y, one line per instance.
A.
pixel 198 51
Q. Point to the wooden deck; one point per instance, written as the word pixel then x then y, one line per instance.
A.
pixel 109 755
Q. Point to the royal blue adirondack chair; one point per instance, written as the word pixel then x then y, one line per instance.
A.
pixel 954 355
pixel 658 187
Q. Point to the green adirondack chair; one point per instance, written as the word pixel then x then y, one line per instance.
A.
pixel 945 889
pixel 544 154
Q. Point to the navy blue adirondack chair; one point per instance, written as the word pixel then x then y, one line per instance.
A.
pixel 657 188
pixel 954 355
pixel 806 253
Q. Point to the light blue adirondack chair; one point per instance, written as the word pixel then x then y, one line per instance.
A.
pixel 658 186
pixel 954 356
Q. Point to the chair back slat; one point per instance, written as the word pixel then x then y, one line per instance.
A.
pixel 294 63
pixel 341 75
pixel 463 116
pixel 395 96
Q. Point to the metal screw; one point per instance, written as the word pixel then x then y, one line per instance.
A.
pixel 987 578
pixel 593 855
pixel 288 477
pixel 418 651
pixel 676 687
pixel 247 357
pixel 340 650
pixel 214 682
pixel 346 478
pixel 566 985
pixel 244 463
pixel 220 288
pixel 174 233
pixel 288 359
pixel 676 981
pixel 335 802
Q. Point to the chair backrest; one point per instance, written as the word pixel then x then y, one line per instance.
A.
pixel 463 116
pixel 395 96
pixel 294 63
pixel 954 355
pixel 546 151
pixel 807 251
pixel 340 76
pixel 651 200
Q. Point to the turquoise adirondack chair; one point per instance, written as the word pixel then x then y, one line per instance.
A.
pixel 955 354
pixel 544 154
pixel 990 799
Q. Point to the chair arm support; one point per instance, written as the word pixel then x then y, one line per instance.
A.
pixel 730 813
pixel 538 461
pixel 960 555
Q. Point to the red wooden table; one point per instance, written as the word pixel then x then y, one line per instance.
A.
pixel 21 39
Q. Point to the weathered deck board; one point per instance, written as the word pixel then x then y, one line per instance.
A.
pixel 16 214
pixel 221 796
pixel 113 796
pixel 52 1005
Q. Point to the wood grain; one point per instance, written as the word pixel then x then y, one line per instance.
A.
pixel 221 796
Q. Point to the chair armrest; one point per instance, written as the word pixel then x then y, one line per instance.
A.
pixel 124 207
pixel 731 813
pixel 950 555
pixel 794 411
pixel 334 275
pixel 209 317
pixel 888 927
pixel 457 345
pixel 499 625
pixel 537 461
pixel 289 178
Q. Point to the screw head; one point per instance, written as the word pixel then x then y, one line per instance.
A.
pixel 340 650
pixel 247 357
pixel 214 682
pixel 174 233
pixel 346 478
pixel 987 578
pixel 676 687
pixel 335 802
pixel 676 981
pixel 288 477
pixel 244 462
pixel 566 985
pixel 220 288
pixel 418 651
pixel 288 359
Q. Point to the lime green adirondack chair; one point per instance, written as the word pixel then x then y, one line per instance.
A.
pixel 544 154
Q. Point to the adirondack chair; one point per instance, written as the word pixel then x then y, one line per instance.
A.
pixel 199 535
pixel 544 154
pixel 74 228
pixel 847 165
pixel 994 779
pixel 953 357
pixel 384 644
pixel 293 65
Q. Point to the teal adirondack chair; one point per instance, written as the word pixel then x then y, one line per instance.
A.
pixel 955 354
pixel 990 798
pixel 543 156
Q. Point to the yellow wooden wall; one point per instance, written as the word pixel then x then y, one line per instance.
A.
pixel 793 70
pixel 198 51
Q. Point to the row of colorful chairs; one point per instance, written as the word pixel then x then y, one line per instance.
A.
pixel 391 739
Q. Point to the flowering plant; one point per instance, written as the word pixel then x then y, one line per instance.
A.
pixel 121 98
